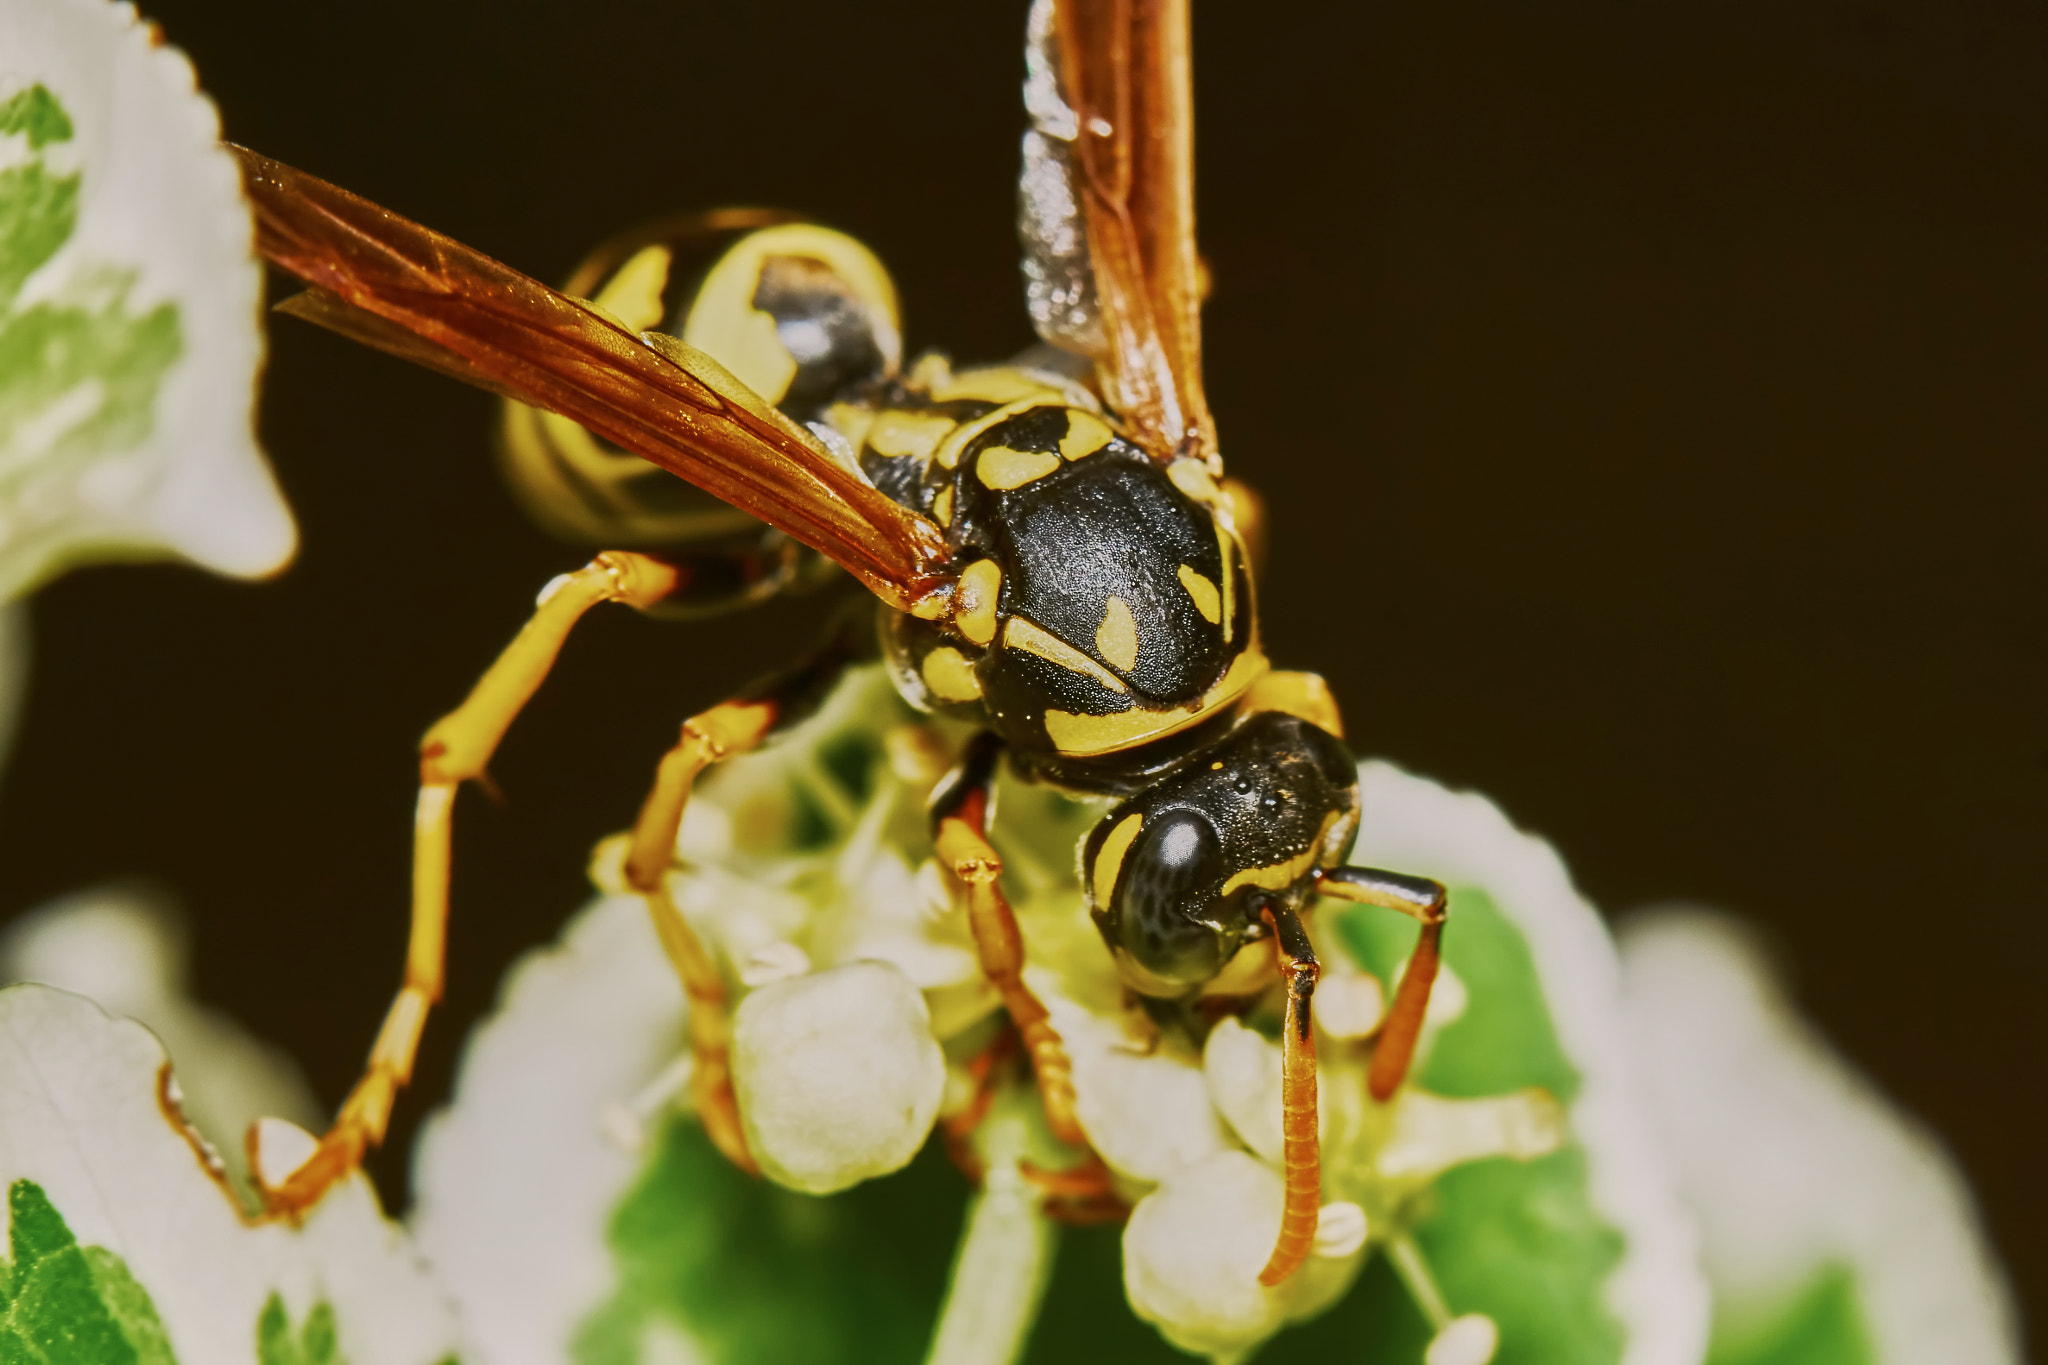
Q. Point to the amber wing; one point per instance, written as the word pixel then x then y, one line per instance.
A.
pixel 1123 68
pixel 395 284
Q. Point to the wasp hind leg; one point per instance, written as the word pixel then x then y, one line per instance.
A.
pixel 726 730
pixel 457 749
pixel 960 810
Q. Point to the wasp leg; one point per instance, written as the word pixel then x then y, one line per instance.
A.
pixel 960 817
pixel 457 749
pixel 1301 1150
pixel 730 728
pixel 1421 899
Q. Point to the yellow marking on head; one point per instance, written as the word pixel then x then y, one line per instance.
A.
pixel 974 601
pixel 1116 639
pixel 633 293
pixel 1191 477
pixel 724 323
pixel 950 449
pixel 1000 467
pixel 1033 638
pixel 994 384
pixel 1087 736
pixel 1110 860
pixel 942 506
pixel 896 433
pixel 1249 971
pixel 948 674
pixel 1280 876
pixel 1086 434
pixel 1207 600
pixel 1297 694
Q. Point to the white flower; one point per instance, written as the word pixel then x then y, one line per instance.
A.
pixel 787 860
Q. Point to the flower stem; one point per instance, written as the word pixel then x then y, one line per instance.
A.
pixel 1005 1258
pixel 1414 1273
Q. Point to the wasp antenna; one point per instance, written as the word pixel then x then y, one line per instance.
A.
pixel 1301 1147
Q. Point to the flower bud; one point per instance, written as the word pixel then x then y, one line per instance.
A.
pixel 1469 1340
pixel 1193 1251
pixel 837 1075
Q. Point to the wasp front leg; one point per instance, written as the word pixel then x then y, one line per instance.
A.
pixel 726 730
pixel 1419 898
pixel 457 749
pixel 960 812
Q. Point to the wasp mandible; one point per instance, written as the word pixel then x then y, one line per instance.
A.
pixel 1056 552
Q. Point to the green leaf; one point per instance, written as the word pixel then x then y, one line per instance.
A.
pixel 1824 1325
pixel 35 113
pixel 70 1305
pixel 745 1271
pixel 315 1343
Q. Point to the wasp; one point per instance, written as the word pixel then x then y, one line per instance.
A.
pixel 721 405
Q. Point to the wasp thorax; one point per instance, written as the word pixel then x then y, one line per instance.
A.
pixel 1178 874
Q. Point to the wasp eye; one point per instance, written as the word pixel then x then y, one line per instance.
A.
pixel 1167 899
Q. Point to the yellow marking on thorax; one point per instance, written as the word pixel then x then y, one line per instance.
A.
pixel 852 420
pixel 955 444
pixel 1280 876
pixel 896 433
pixel 1206 599
pixel 1297 694
pixel 942 506
pixel 633 294
pixel 1032 638
pixel 974 601
pixel 1228 544
pixel 948 674
pixel 994 384
pixel 1116 639
pixel 1086 736
pixel 1110 860
pixel 1086 434
pixel 1002 468
pixel 1192 478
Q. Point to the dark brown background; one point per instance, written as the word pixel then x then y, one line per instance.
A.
pixel 1651 401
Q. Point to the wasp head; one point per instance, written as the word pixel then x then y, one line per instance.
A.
pixel 1177 875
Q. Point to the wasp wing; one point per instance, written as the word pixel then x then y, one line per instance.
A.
pixel 387 281
pixel 1107 208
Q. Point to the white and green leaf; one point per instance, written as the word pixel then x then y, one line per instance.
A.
pixel 130 338
pixel 1836 1231
pixel 126 1243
